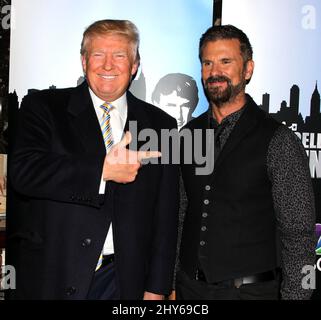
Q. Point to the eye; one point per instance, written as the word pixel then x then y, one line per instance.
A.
pixel 226 61
pixel 120 55
pixel 206 63
pixel 97 54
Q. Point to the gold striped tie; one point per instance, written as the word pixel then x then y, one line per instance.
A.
pixel 108 140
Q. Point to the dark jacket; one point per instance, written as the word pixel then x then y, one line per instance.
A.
pixel 59 223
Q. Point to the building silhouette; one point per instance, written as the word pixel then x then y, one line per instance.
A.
pixel 313 122
pixel 80 80
pixel 294 99
pixel 266 102
pixel 290 115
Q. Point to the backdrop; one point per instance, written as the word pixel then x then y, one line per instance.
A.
pixel 46 36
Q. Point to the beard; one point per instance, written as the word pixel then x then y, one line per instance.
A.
pixel 219 96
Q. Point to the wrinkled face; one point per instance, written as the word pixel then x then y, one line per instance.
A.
pixel 109 66
pixel 224 74
pixel 175 106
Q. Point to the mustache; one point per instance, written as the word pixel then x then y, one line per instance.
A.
pixel 217 79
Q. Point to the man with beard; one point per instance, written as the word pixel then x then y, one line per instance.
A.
pixel 249 224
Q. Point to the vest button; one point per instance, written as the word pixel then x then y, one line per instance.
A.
pixel 70 291
pixel 206 201
pixel 207 188
pixel 202 243
pixel 203 228
pixel 86 242
pixel 204 215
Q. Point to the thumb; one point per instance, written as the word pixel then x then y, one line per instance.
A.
pixel 126 140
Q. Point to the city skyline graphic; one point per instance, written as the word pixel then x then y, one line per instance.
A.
pixel 290 115
pixel 289 112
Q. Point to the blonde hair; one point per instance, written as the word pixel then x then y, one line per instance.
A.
pixel 112 27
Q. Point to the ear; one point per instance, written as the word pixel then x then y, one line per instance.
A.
pixel 134 68
pixel 84 63
pixel 249 68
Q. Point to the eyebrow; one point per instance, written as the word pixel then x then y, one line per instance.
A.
pixel 120 51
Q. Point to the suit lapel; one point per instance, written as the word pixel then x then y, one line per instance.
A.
pixel 84 120
pixel 85 123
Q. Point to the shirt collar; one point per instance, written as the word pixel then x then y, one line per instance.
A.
pixel 119 104
pixel 231 119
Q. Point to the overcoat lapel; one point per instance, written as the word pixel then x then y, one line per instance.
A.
pixel 84 120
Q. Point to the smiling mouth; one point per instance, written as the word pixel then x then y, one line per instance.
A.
pixel 106 77
pixel 217 82
pixel 218 85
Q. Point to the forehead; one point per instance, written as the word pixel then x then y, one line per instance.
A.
pixel 228 47
pixel 172 98
pixel 108 41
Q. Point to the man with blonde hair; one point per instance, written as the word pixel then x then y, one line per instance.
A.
pixel 91 222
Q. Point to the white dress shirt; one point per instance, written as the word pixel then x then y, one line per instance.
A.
pixel 118 117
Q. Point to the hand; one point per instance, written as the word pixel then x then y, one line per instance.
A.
pixel 121 165
pixel 152 296
pixel 172 295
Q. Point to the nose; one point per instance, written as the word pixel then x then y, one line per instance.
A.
pixel 180 118
pixel 108 62
pixel 215 70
